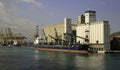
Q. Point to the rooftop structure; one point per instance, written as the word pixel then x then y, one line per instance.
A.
pixel 81 19
pixel 90 16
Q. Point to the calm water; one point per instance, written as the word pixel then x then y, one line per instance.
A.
pixel 30 59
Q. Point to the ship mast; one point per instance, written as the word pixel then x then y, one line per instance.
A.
pixel 37 32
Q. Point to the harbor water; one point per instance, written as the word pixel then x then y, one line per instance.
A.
pixel 27 58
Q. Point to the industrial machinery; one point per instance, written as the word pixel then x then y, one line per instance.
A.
pixel 9 38
pixel 57 39
pixel 36 33
pixel 44 36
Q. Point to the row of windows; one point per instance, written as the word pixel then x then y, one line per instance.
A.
pixel 96 49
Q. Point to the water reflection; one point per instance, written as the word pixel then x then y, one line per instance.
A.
pixel 96 61
pixel 36 55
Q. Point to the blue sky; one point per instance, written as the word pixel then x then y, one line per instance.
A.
pixel 47 12
pixel 54 11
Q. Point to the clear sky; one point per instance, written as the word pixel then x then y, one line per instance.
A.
pixel 27 13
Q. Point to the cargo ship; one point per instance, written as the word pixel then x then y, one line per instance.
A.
pixel 61 48
pixel 75 48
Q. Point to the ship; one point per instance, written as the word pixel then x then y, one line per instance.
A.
pixel 42 44
pixel 75 48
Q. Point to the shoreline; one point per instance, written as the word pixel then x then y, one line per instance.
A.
pixel 113 51
pixel 70 51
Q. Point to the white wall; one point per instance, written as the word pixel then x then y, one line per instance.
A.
pixel 68 28
pixel 98 31
pixel 80 31
pixel 106 32
pixel 67 23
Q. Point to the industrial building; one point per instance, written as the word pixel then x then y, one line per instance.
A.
pixel 97 33
pixel 115 41
pixel 8 38
pixel 57 33
pixel 86 30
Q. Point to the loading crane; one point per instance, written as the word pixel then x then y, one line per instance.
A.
pixel 9 38
pixel 84 46
pixel 44 35
pixel 58 40
pixel 56 34
pixel 86 39
pixel 53 37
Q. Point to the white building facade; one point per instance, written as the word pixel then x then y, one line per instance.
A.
pixel 98 35
pixel 68 29
pixel 96 32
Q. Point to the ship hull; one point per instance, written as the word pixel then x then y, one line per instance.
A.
pixel 59 48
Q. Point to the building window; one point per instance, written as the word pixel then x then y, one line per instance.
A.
pixel 86 36
pixel 97 41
